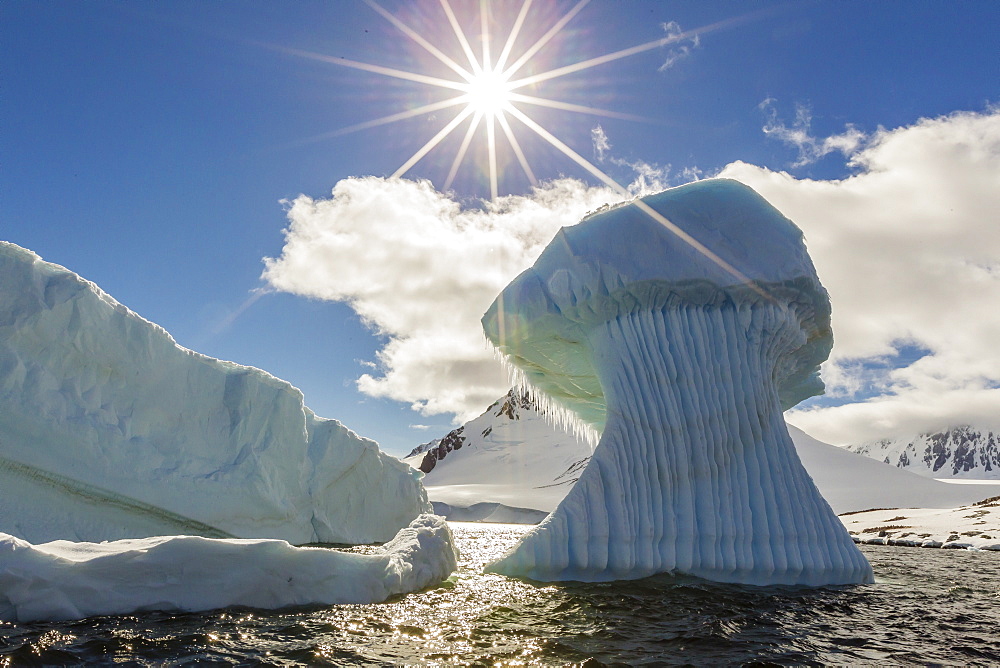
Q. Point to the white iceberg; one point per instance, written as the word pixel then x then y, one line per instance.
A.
pixel 679 327
pixel 109 430
pixel 67 580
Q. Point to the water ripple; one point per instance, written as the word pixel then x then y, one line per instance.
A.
pixel 927 607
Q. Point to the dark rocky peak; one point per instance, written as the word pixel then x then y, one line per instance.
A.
pixel 508 407
pixel 513 403
pixel 424 447
pixel 454 440
pixel 959 451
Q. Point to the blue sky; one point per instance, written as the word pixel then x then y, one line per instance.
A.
pixel 149 147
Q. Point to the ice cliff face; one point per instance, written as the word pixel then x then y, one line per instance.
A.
pixel 109 429
pixel 960 452
pixel 683 359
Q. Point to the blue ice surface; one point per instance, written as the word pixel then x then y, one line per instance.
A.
pixel 109 430
pixel 622 260
pixel 680 328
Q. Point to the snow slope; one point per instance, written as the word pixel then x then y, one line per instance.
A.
pixel 109 429
pixel 510 462
pixel 974 526
pixel 65 580
pixel 852 483
pixel 537 463
pixel 679 326
pixel 960 452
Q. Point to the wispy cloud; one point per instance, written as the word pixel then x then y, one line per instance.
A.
pixel 600 141
pixel 680 49
pixel 645 177
pixel 799 135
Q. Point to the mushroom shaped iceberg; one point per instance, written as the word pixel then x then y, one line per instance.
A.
pixel 679 327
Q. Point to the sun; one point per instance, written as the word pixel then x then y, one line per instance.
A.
pixel 491 91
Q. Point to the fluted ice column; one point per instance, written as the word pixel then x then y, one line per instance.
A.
pixel 679 327
pixel 695 472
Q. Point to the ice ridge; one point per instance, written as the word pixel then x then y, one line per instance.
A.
pixel 105 418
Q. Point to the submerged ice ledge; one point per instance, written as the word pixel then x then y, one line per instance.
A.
pixel 684 363
pixel 65 580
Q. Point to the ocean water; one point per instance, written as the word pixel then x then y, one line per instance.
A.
pixel 928 606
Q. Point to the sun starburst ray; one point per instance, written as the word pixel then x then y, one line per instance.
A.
pixel 491 145
pixel 484 22
pixel 505 126
pixel 401 116
pixel 376 69
pixel 463 41
pixel 512 37
pixel 579 108
pixel 594 62
pixel 624 53
pixel 462 149
pixel 567 151
pixel 544 39
pixel 415 36
pixel 434 141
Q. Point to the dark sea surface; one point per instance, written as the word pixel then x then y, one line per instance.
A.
pixel 928 606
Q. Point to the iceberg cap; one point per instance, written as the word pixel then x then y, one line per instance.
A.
pixel 725 243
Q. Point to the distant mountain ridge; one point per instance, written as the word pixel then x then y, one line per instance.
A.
pixel 423 447
pixel 512 465
pixel 959 452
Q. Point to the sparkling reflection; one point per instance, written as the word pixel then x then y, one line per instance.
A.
pixel 927 606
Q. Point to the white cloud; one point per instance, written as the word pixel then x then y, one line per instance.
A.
pixel 646 178
pixel 601 142
pixel 909 249
pixel 799 135
pixel 420 270
pixel 681 48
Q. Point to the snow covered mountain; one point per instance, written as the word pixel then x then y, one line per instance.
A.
pixel 109 430
pixel 510 465
pixel 423 447
pixel 507 465
pixel 959 452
